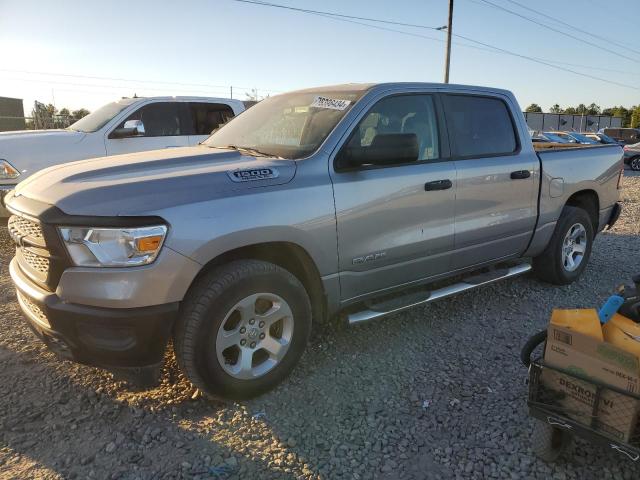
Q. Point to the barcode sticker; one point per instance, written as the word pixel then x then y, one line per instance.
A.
pixel 563 337
pixel 331 103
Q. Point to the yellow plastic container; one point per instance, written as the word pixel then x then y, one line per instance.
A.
pixel 584 321
pixel 623 333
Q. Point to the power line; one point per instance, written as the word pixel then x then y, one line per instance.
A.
pixel 595 35
pixel 548 27
pixel 353 17
pixel 488 47
pixel 157 82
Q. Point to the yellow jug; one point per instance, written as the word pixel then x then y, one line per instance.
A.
pixel 584 321
pixel 624 333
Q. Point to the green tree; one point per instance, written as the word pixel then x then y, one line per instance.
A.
pixel 534 108
pixel 556 108
pixel 78 114
pixel 593 109
pixel 570 111
pixel 581 109
pixel 635 117
pixel 64 112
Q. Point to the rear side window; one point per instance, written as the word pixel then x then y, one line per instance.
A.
pixel 209 116
pixel 479 126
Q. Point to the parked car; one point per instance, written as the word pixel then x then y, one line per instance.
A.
pixel 572 137
pixel 632 156
pixel 351 198
pixel 552 137
pixel 625 135
pixel 602 138
pixel 125 126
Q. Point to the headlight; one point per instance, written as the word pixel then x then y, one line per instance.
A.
pixel 7 172
pixel 113 247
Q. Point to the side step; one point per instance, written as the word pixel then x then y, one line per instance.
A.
pixel 399 304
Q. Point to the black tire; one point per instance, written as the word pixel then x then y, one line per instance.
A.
pixel 204 310
pixel 549 442
pixel 634 164
pixel 549 265
pixel 530 346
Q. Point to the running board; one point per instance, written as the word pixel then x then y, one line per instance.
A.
pixel 402 303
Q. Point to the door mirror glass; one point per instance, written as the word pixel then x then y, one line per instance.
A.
pixel 131 128
pixel 385 149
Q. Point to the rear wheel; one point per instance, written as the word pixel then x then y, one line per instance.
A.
pixel 243 328
pixel 634 164
pixel 569 249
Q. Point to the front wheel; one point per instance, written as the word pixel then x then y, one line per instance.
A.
pixel 569 249
pixel 243 328
pixel 634 164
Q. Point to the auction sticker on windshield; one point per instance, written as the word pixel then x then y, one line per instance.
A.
pixel 332 103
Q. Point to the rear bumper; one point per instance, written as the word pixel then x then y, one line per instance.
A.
pixel 104 337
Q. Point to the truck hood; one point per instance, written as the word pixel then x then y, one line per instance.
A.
pixel 29 150
pixel 145 183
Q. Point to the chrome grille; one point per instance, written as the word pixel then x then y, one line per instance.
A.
pixel 38 263
pixel 23 227
pixel 34 309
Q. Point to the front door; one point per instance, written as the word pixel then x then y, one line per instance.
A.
pixel 166 125
pixel 497 183
pixel 394 221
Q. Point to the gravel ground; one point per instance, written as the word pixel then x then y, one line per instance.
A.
pixel 437 392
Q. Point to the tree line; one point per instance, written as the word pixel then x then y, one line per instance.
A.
pixel 631 116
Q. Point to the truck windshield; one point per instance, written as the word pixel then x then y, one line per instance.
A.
pixel 290 126
pixel 99 118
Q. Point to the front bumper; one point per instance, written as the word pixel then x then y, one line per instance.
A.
pixel 104 337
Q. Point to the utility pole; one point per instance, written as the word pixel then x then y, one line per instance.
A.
pixel 448 52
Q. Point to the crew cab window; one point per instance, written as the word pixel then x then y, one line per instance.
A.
pixel 479 126
pixel 162 119
pixel 209 116
pixel 397 115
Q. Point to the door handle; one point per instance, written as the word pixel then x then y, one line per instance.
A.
pixel 520 174
pixel 438 185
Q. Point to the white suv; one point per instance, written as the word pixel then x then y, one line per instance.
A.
pixel 125 126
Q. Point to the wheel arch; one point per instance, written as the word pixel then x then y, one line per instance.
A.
pixel 288 255
pixel 589 201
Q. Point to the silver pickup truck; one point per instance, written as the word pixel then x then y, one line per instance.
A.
pixel 351 198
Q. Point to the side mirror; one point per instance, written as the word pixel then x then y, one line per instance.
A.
pixel 385 149
pixel 131 128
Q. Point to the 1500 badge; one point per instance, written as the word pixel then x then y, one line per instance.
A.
pixel 253 174
pixel 372 257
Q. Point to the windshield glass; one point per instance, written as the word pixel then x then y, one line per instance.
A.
pixel 606 138
pixel 289 126
pixel 582 138
pixel 99 118
pixel 552 137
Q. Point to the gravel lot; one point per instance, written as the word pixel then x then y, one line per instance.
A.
pixel 437 392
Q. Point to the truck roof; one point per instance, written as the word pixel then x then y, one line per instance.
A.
pixel 181 98
pixel 358 87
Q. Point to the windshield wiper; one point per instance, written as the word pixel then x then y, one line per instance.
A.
pixel 251 151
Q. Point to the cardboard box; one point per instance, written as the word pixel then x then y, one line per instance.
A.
pixel 609 412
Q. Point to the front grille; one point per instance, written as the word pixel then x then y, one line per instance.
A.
pixel 37 262
pixel 34 309
pixel 23 227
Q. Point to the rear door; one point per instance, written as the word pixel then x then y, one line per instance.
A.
pixel 166 125
pixel 207 117
pixel 395 222
pixel 496 198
